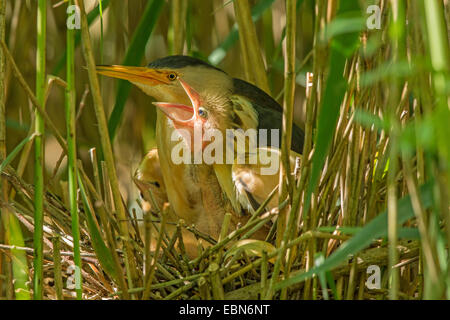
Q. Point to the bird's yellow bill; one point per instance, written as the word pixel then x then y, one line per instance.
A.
pixel 142 75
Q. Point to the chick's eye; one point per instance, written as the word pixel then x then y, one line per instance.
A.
pixel 172 76
pixel 202 112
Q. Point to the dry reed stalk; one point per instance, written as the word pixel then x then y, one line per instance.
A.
pixel 286 181
pixel 178 16
pixel 57 268
pixel 3 182
pixel 39 152
pixel 255 69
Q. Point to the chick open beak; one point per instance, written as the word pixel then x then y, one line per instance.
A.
pixel 183 115
pixel 141 75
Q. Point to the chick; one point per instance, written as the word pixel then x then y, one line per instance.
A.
pixel 149 180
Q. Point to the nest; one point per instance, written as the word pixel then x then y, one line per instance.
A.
pixel 234 267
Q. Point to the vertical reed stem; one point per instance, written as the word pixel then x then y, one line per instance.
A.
pixel 72 155
pixel 247 34
pixel 398 23
pixel 439 51
pixel 178 13
pixel 288 110
pixel 39 152
pixel 2 121
pixel 2 84
pixel 283 229
pixel 216 283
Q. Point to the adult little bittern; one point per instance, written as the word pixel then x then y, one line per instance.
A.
pixel 254 170
pixel 201 193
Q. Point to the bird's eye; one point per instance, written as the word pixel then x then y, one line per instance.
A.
pixel 172 76
pixel 202 112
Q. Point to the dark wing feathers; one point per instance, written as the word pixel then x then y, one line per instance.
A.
pixel 270 113
pixel 255 94
pixel 271 119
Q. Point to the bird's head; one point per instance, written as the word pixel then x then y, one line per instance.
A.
pixel 192 93
pixel 159 78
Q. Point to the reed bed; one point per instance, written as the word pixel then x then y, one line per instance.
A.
pixel 371 191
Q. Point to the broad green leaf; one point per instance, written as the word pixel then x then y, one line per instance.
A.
pixel 16 125
pixel 19 258
pixel 15 236
pixel 318 260
pixel 101 250
pixel 386 70
pixel 16 150
pixel 343 25
pixel 367 119
pixel 375 229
